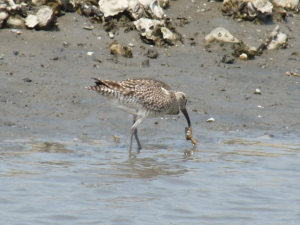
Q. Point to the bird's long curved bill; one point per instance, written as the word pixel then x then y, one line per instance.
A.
pixel 186 116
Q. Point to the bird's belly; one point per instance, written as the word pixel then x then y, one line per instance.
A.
pixel 129 107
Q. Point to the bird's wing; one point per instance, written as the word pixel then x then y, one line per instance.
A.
pixel 154 95
pixel 151 94
pixel 104 85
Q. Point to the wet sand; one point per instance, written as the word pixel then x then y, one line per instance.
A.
pixel 56 104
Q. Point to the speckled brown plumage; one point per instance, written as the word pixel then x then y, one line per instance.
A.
pixel 151 96
pixel 142 98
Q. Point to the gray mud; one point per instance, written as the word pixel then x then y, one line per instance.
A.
pixel 56 103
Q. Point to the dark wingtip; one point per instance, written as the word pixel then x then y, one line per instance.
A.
pixel 99 82
pixel 93 88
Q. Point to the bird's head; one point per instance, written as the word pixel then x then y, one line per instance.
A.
pixel 181 98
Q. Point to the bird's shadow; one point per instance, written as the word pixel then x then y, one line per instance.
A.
pixel 147 148
pixel 162 148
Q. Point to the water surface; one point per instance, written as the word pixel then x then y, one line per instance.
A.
pixel 229 180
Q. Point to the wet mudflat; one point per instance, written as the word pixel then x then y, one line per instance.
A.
pixel 228 180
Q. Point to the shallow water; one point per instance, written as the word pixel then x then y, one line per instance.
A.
pixel 228 180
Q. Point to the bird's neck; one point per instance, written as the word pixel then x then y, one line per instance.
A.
pixel 174 110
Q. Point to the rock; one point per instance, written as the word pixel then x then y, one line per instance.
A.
pixel 257 91
pixel 55 5
pixel 263 6
pixel 111 35
pixel 259 9
pixel 152 7
pixel 243 56
pixel 243 50
pixel 275 40
pixel 37 2
pixel 221 34
pixel 31 21
pixel 149 28
pixel 157 32
pixel 152 53
pixel 88 8
pixel 278 39
pixel 210 120
pixel 113 7
pixel 69 5
pixel 111 26
pixel 3 16
pixel 167 34
pixel 292 73
pixel 287 4
pixel 46 18
pixel 22 15
pixel 16 31
pixel 136 8
pixel 90 27
pixel 15 22
pixel 117 49
pixel 149 18
pixel 247 9
pixel 164 4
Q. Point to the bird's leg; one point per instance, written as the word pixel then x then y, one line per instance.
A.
pixel 133 131
pixel 136 135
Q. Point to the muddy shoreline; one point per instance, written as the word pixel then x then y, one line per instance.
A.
pixel 56 104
